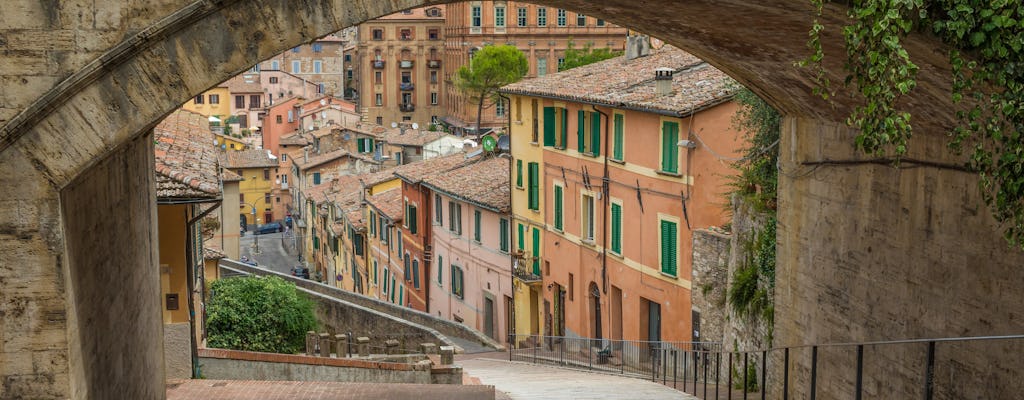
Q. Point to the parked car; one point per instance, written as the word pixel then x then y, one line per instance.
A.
pixel 301 272
pixel 269 228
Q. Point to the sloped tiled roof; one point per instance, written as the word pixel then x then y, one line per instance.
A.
pixel 304 163
pixel 388 203
pixel 415 172
pixel 213 254
pixel 411 137
pixel 481 181
pixel 619 82
pixel 239 84
pixel 252 158
pixel 227 175
pixel 295 139
pixel 186 159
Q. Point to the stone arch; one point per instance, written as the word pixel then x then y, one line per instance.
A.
pixel 75 153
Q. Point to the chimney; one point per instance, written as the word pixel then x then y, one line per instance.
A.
pixel 637 46
pixel 305 154
pixel 663 81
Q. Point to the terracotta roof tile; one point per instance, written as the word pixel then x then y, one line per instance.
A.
pixel 227 175
pixel 388 203
pixel 415 172
pixel 186 159
pixel 302 163
pixel 481 181
pixel 244 83
pixel 213 254
pixel 295 139
pixel 410 137
pixel 619 82
pixel 252 158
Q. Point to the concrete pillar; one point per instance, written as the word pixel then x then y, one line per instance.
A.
pixel 341 345
pixel 447 355
pixel 392 346
pixel 428 348
pixel 325 344
pixel 363 343
pixel 310 343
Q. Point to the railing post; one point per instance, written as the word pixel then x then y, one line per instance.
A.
pixel 764 373
pixel 675 372
pixel 729 378
pixel 929 372
pixel 590 354
pixel 675 369
pixel 705 374
pixel 695 374
pixel 718 372
pixel 785 374
pixel 535 350
pixel 814 372
pixel 860 371
pixel 561 353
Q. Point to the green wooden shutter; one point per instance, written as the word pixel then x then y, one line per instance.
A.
pixel 558 207
pixel 476 225
pixel 316 178
pixel 440 270
pixel 669 151
pixel 595 133
pixel 534 186
pixel 616 228
pixel 504 234
pixel 581 128
pixel 669 243
pixel 521 230
pixel 565 128
pixel 413 224
pixel 549 126
pixel 536 251
pixel 618 136
pixel 519 173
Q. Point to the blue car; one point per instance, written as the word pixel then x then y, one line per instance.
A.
pixel 269 228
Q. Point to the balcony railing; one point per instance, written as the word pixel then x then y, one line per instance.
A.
pixel 433 63
pixel 406 86
pixel 405 64
pixel 378 64
pixel 524 274
pixel 407 107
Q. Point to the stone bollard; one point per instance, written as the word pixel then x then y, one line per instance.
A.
pixel 342 345
pixel 392 346
pixel 428 348
pixel 310 343
pixel 363 343
pixel 325 344
pixel 447 355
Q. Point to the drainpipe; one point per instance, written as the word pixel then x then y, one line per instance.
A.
pixel 604 220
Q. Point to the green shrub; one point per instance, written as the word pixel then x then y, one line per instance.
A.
pixel 264 314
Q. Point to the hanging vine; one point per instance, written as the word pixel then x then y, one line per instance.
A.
pixel 988 70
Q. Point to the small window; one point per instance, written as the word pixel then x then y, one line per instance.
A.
pixel 499 108
pixel 438 212
pixel 499 16
pixel 274 65
pixel 457 282
pixel 476 18
pixel 433 34
pixel 266 174
pixel 198 99
pixel 616 228
pixel 379 100
pixel 534 185
pixel 542 16
pixel 503 235
pixel 378 34
pixel 669 243
pixel 588 218
pixel 476 225
pixel 273 79
pixel 405 34
pixel 296 67
pixel 440 268
pixel 600 22
pixel 521 16
pixel 279 119
pixel 295 49
pixel 317 47
pixel 318 66
pixel 561 17
pixel 416 274
pixel 581 20
pixel 406 260
pixel 433 98
pixel 559 205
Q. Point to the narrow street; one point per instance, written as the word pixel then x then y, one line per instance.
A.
pixel 273 253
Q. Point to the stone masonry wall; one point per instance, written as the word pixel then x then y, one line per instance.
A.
pixel 710 269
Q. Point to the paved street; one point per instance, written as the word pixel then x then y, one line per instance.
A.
pixel 273 254
pixel 528 381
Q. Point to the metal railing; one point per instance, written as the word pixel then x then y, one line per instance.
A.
pixel 896 369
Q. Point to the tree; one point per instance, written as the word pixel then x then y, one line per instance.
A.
pixel 490 68
pixel 579 57
pixel 264 314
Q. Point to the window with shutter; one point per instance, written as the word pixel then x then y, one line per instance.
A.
pixel 440 270
pixel 616 228
pixel 669 150
pixel 549 126
pixel 476 225
pixel 405 267
pixel 558 207
pixel 619 125
pixel 438 211
pixel 413 220
pixel 581 128
pixel 595 133
pixel 416 274
pixel 316 178
pixel 565 128
pixel 503 235
pixel 669 244
pixel 521 231
pixel 519 173
pixel 534 178
pixel 536 251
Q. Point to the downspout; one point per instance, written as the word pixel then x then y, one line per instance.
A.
pixel 190 284
pixel 427 233
pixel 604 208
pixel 511 260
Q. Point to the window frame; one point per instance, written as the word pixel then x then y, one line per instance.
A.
pixel 561 19
pixel 558 200
pixel 542 16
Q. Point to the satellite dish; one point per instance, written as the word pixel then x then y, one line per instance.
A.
pixel 323 102
pixel 489 143
pixel 346 136
pixel 504 143
pixel 394 124
pixel 415 126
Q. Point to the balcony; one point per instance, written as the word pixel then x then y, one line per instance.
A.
pixel 433 63
pixel 406 86
pixel 406 64
pixel 407 107
pixel 378 64
pixel 523 273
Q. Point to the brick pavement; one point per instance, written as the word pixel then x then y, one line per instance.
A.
pixel 204 389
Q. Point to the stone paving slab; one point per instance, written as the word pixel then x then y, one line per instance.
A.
pixel 522 381
pixel 206 389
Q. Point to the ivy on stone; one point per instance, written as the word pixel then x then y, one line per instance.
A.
pixel 988 70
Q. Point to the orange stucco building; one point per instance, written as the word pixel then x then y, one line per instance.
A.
pixel 635 156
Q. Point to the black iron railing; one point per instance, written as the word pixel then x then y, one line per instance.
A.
pixel 708 371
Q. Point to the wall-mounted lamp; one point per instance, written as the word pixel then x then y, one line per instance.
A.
pixel 687 144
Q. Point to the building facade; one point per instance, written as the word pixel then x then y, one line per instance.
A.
pixel 400 56
pixel 541 33
pixel 319 64
pixel 258 169
pixel 663 149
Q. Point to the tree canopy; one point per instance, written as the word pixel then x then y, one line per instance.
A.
pixel 264 314
pixel 490 68
pixel 587 55
pixel 988 75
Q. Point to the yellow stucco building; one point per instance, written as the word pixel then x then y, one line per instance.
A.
pixel 258 170
pixel 213 102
